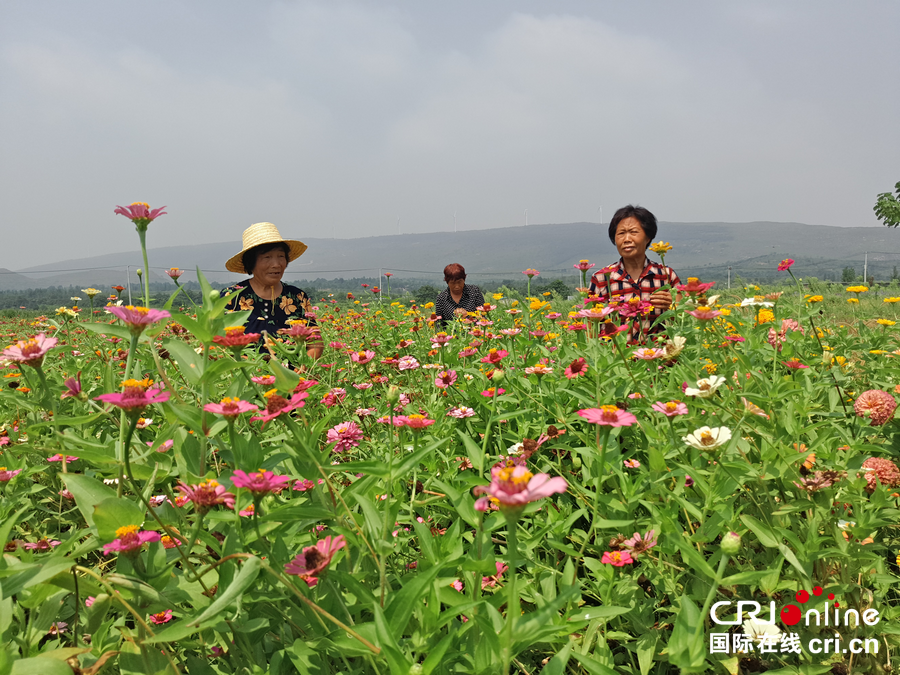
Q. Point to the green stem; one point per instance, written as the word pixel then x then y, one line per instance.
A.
pixel 204 399
pixel 512 601
pixel 142 235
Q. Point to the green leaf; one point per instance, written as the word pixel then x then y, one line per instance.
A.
pixel 763 532
pixel 285 380
pixel 404 601
pixel 592 666
pixel 113 513
pixel 557 665
pixel 195 327
pixel 40 665
pixel 474 451
pixel 9 523
pixel 390 650
pixel 88 493
pixel 686 644
pixel 189 362
pixel 591 613
pixel 243 581
pixel 114 330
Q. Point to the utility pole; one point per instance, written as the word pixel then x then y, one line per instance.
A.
pixel 526 217
pixel 398 224
pixel 128 275
pixel 454 222
pixel 729 277
pixel 866 269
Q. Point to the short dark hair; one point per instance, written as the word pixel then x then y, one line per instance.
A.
pixel 454 272
pixel 249 257
pixel 639 213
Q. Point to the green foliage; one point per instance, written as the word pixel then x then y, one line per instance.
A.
pixel 887 207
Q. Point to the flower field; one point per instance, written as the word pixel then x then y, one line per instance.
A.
pixel 521 491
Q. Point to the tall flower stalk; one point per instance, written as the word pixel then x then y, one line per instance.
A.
pixel 142 215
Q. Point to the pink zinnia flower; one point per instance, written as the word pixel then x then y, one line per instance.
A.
pixel 300 331
pixel 345 435
pixel 616 558
pixel 161 617
pixel 634 308
pixel 785 265
pixel 230 407
pixel 42 545
pixel 166 445
pixel 276 405
pixel 414 422
pixel 73 387
pixel 313 560
pixel 30 352
pixel 514 486
pixel 445 379
pixel 140 214
pixel 206 495
pixel 530 273
pixel 577 367
pixel 334 397
pixel 441 338
pixel 511 332
pixel 705 313
pixel 794 364
pixel 408 363
pixel 136 395
pixel 58 458
pixel 264 380
pixel 494 579
pixel 882 471
pixel 608 415
pixel 236 337
pixel 174 272
pixel 877 405
pixel 138 318
pixel 304 485
pixel 129 539
pixel 467 352
pixel 638 544
pixel 632 464
pixel 457 586
pixel 583 265
pixel 259 482
pixel 57 627
pixel 694 286
pixel 596 313
pixel 461 412
pixel 89 601
pixel 495 356
pixel 671 408
pixel 648 353
pixel 246 513
pixel 362 357
pixel 490 392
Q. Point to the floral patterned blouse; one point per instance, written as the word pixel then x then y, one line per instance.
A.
pixel 267 315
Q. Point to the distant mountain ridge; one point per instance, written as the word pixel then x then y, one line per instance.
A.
pixel 703 248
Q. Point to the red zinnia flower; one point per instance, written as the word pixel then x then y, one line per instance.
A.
pixel 616 558
pixel 235 337
pixel 785 265
pixel 161 617
pixel 259 482
pixel 495 356
pixel 577 367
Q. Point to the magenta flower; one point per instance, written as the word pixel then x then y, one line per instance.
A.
pixel 236 338
pixel 138 318
pixel 276 405
pixel 42 545
pixel 530 273
pixel 260 482
pixel 704 313
pixel 362 357
pixel 596 313
pixel 513 486
pixel 616 558
pixel 7 475
pixel 334 397
pixel 414 422
pixel 73 387
pixel 638 544
pixel 461 412
pixel 230 407
pixel 264 380
pixel 495 356
pixel 583 265
pixel 445 379
pixel 161 617
pixel 576 368
pixel 129 539
pixel 206 495
pixel 494 579
pixel 490 392
pixel 140 214
pixel 345 435
pixel 304 485
pixel 670 409
pixel 58 458
pixel 608 415
pixel 30 352
pixel 174 272
pixel 136 395
pixel 785 265
pixel 313 560
pixel 634 308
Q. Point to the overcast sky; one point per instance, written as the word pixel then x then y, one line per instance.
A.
pixel 338 118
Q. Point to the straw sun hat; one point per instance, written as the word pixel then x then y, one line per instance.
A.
pixel 263 233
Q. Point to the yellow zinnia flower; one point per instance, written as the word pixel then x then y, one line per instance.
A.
pixel 765 316
pixel 857 289
pixel 886 322
pixel 814 298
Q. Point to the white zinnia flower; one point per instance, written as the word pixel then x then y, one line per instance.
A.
pixel 706 438
pixel 753 302
pixel 706 387
pixel 675 346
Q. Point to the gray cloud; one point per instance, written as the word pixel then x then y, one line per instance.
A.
pixel 341 116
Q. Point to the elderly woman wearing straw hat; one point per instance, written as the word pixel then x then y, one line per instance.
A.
pixel 273 304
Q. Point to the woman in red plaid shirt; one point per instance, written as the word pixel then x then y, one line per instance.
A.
pixel 635 279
